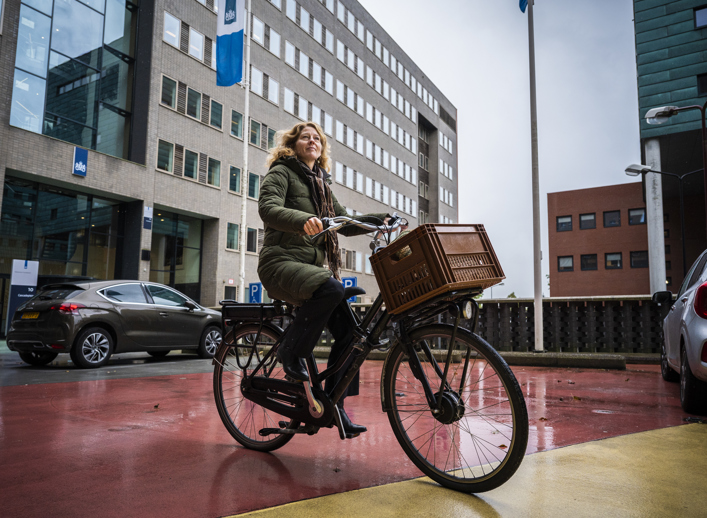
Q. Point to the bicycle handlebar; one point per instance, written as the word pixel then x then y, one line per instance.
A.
pixel 335 223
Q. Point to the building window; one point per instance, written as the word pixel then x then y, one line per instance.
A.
pixel 702 84
pixel 613 261
pixel 637 216
pixel 253 185
pixel 165 156
pixel 701 17
pixel 236 124
pixel 193 103
pixel 587 221
pixel 612 218
pixel 213 174
pixel 668 265
pixel 668 281
pixel 191 164
pixel 234 180
pixel 216 114
pixel 271 138
pixel 666 233
pixel 169 92
pixel 639 259
pixel 588 262
pixel 667 249
pixel 252 243
pixel 255 132
pixel 565 263
pixel 172 29
pixel 232 237
pixel 196 44
pixel 564 223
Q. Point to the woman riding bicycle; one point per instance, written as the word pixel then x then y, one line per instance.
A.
pixel 294 197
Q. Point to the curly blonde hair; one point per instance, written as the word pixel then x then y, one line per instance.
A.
pixel 286 140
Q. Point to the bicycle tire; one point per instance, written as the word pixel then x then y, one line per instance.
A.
pixel 484 447
pixel 243 418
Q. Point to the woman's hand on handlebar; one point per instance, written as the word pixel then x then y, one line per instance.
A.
pixel 313 226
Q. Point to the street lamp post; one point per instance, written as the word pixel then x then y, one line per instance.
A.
pixel 662 114
pixel 636 169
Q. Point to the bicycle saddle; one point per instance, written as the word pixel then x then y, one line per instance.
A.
pixel 352 291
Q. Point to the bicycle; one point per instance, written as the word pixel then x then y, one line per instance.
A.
pixel 454 405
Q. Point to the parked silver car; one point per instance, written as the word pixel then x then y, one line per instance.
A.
pixel 684 351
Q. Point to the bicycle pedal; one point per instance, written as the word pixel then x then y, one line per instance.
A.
pixel 382 345
pixel 352 435
pixel 282 424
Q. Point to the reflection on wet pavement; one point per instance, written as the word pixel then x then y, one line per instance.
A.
pixel 159 446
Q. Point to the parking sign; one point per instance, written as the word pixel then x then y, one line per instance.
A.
pixel 256 292
pixel 348 282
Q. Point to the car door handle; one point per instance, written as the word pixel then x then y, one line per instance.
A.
pixel 163 314
pixel 684 299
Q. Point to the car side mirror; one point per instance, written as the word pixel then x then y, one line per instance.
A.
pixel 662 297
pixel 189 304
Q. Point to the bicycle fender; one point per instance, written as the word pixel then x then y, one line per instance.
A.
pixel 385 405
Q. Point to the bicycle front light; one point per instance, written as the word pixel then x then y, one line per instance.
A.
pixel 468 309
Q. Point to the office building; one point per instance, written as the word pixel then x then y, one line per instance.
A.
pixel 598 242
pixel 134 83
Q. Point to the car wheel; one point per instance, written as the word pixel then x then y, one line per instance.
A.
pixel 158 354
pixel 210 340
pixel 38 359
pixel 693 392
pixel 665 369
pixel 92 348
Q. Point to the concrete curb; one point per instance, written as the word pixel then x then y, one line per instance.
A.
pixel 547 359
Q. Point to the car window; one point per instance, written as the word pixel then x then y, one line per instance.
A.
pixel 126 293
pixel 63 293
pixel 165 296
pixel 693 275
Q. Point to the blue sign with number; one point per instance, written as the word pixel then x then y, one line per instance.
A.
pixel 256 292
pixel 349 282
pixel 80 161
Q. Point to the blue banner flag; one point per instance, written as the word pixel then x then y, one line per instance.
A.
pixel 523 5
pixel 229 42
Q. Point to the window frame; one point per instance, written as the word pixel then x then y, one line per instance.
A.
pixel 194 178
pixel 211 115
pixel 644 216
pixel 559 226
pixel 247 240
pixel 631 258
pixel 174 100
pixel 584 268
pixel 240 125
pixel 210 176
pixel 257 185
pixel 229 225
pixel 606 261
pixel 594 221
pixel 239 192
pixel 171 161
pixel 611 212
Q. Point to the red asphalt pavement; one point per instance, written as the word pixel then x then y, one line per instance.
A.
pixel 156 446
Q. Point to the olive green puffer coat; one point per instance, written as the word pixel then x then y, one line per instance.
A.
pixel 291 265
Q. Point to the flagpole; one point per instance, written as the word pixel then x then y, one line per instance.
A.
pixel 244 171
pixel 537 251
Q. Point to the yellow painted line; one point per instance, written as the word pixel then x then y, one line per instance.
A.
pixel 660 473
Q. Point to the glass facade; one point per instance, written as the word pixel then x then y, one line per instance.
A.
pixel 73 75
pixel 175 258
pixel 70 234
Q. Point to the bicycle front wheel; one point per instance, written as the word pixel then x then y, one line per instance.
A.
pixel 243 418
pixel 477 439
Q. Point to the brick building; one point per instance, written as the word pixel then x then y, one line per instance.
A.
pixel 598 243
pixel 134 83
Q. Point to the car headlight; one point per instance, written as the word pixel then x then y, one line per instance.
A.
pixel 468 309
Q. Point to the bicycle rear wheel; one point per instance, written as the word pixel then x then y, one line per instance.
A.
pixel 478 439
pixel 243 418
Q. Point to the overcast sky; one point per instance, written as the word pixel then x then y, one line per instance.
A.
pixel 476 52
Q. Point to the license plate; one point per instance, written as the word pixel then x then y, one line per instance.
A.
pixel 30 316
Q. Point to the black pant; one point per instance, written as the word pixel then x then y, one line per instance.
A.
pixel 306 329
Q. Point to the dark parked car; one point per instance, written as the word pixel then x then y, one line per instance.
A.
pixel 684 351
pixel 92 320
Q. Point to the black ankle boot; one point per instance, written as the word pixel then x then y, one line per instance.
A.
pixel 349 427
pixel 293 365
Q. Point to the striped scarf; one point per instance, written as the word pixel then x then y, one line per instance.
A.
pixel 321 196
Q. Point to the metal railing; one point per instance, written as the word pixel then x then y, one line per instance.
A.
pixel 628 324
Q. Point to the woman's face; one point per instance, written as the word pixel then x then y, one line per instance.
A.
pixel 308 146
